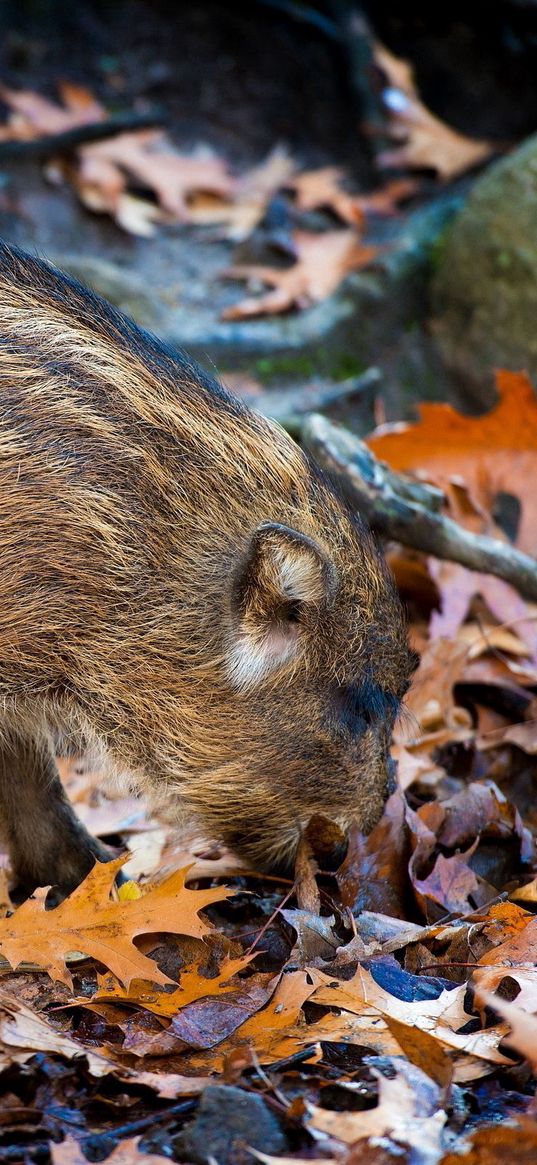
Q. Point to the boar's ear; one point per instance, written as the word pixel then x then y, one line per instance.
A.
pixel 282 579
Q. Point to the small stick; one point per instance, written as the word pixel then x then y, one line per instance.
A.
pixel 79 135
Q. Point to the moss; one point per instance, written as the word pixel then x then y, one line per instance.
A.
pixel 307 365
pixel 437 249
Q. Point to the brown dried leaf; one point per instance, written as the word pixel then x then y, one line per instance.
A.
pixel 245 206
pixel 127 1152
pixel 495 1144
pixel 322 189
pixel 323 261
pixel 426 142
pixel 374 873
pixel 409 1110
pixel 423 1050
pixel 523 1035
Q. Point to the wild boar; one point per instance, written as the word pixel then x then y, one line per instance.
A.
pixel 182 588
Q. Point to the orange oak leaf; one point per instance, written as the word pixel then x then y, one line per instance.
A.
pixel 426 142
pixel 323 261
pixel 477 462
pixel 89 921
pixel 193 986
pixel 492 454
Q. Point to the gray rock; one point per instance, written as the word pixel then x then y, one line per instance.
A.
pixel 484 293
pixel 228 1123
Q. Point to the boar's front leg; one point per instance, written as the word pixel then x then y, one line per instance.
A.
pixel 47 843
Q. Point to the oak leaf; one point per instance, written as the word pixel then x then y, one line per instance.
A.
pixel 409 1110
pixel 102 171
pixel 322 189
pixel 193 986
pixel 241 210
pixel 426 142
pixel 493 454
pixel 324 260
pixel 494 1144
pixel 89 921
pixel 477 462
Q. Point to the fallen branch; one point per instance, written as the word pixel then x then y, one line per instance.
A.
pixel 407 511
pixel 79 135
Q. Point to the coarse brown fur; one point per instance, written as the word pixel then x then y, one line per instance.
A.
pixel 180 587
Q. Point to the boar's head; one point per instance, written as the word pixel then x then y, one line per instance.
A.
pixel 315 665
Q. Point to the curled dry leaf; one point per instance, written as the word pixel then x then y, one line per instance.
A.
pixel 23 1033
pixel 426 142
pixel 409 1111
pixel 324 260
pixel 374 873
pixel 523 1034
pixel 89 921
pixel 245 205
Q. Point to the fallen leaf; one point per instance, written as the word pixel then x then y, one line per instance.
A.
pixel 324 259
pixel 425 142
pixel 523 1035
pixel 127 1152
pixel 374 875
pixel 493 454
pixel 23 1033
pixel 193 986
pixel 246 204
pixel 423 1050
pixel 89 921
pixel 322 189
pixel 316 940
pixel 434 716
pixel 409 1111
pixel 495 1144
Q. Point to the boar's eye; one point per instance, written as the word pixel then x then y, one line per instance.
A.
pixel 359 706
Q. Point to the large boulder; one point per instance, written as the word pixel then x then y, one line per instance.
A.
pixel 484 292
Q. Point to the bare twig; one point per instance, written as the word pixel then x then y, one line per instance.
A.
pixel 399 508
pixel 79 135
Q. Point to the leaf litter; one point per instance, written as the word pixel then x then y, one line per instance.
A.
pixel 410 972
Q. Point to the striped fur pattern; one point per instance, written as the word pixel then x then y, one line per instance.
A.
pixel 179 586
